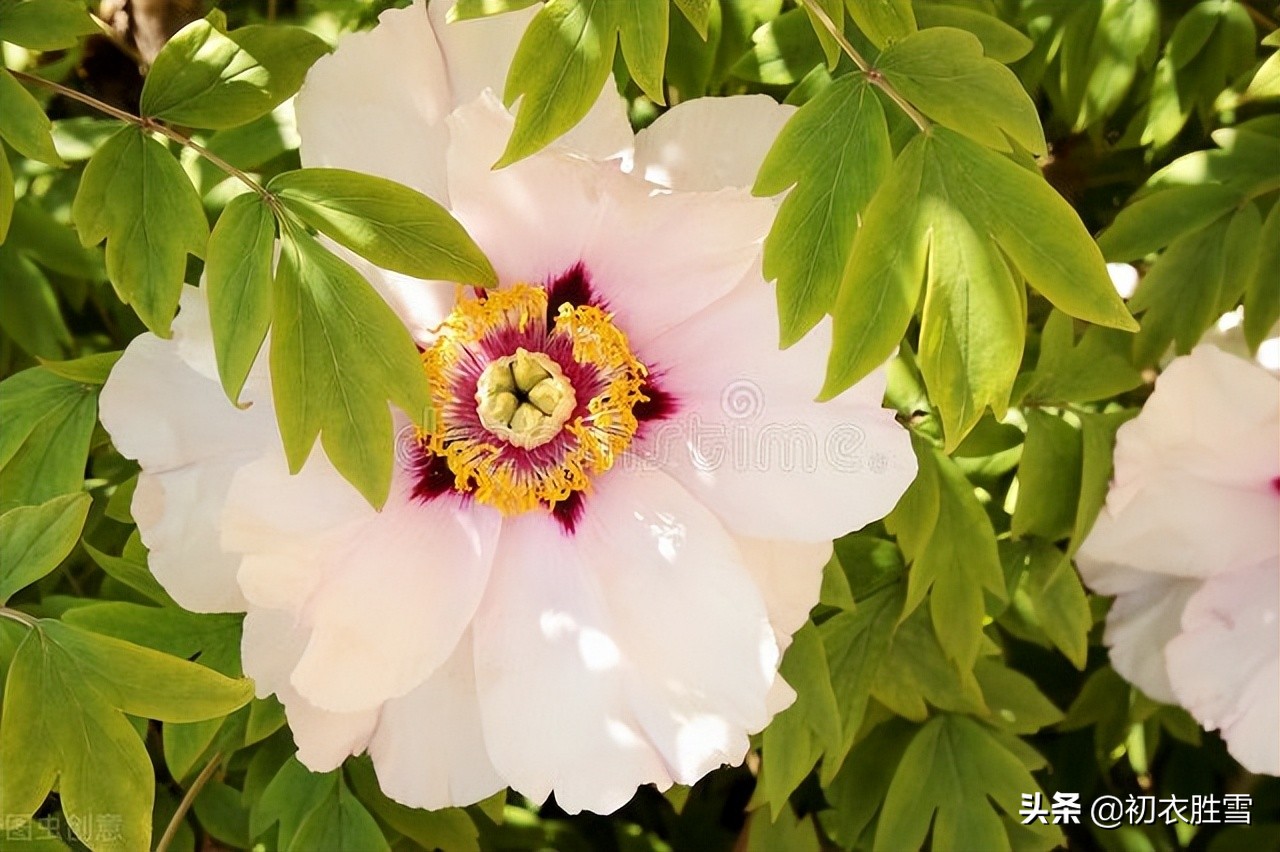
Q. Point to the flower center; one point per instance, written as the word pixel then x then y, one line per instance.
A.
pixel 530 404
pixel 524 398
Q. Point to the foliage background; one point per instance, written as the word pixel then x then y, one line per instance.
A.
pixel 955 660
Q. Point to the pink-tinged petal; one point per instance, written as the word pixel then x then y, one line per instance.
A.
pixel 478 54
pixel 405 136
pixel 164 407
pixel 407 578
pixel 750 442
pixel 1225 665
pixel 1139 626
pixel 710 143
pixel 539 217
pixel 659 258
pixel 428 749
pixel 789 575
pixel 533 217
pixel 270 647
pixel 1212 416
pixel 552 680
pixel 1175 526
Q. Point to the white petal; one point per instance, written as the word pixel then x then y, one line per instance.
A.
pixel 710 143
pixel 350 118
pixel 688 616
pixel 270 647
pixel 551 680
pixel 385 595
pixel 789 575
pixel 749 440
pixel 1225 666
pixel 163 406
pixel 428 748
pixel 1140 624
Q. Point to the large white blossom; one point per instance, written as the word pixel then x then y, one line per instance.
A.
pixel 1189 543
pixel 583 579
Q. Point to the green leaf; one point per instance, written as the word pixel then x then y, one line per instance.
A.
pixel 971 325
pixel 338 354
pixel 7 196
pixel 49 242
pixel 1000 41
pixel 447 828
pixel 1195 280
pixel 466 10
pixel 340 823
pixel 697 12
pixel 238 283
pixel 69 690
pixel 1098 433
pixel 1261 295
pixel 810 727
pixel 1016 703
pixel 89 370
pixel 1048 478
pixel 859 787
pixel 834 11
pixel 23 123
pixel 957 769
pixel 1096 367
pixel 782 52
pixel 130 568
pixel 835 152
pixel 292 795
pixel 45 426
pixel 917 673
pixel 1155 220
pixel 1104 46
pixel 883 21
pixel 956 557
pixel 35 539
pixel 134 194
pixel 32 316
pixel 560 67
pixel 1244 159
pixel 390 225
pixel 206 77
pixel 1046 593
pixel 44 24
pixel 943 73
pixel 856 644
pixel 643 28
pixel 941 185
pixel 882 278
pixel 1265 84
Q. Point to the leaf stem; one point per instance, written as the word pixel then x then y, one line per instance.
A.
pixel 873 76
pixel 171 830
pixel 150 124
pixel 20 617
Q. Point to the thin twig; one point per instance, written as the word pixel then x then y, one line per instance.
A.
pixel 150 124
pixel 188 799
pixel 873 76
pixel 1259 17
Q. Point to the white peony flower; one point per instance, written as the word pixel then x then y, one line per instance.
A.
pixel 584 578
pixel 1189 543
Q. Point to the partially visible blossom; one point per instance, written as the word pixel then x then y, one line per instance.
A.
pixel 586 572
pixel 1124 277
pixel 1189 543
